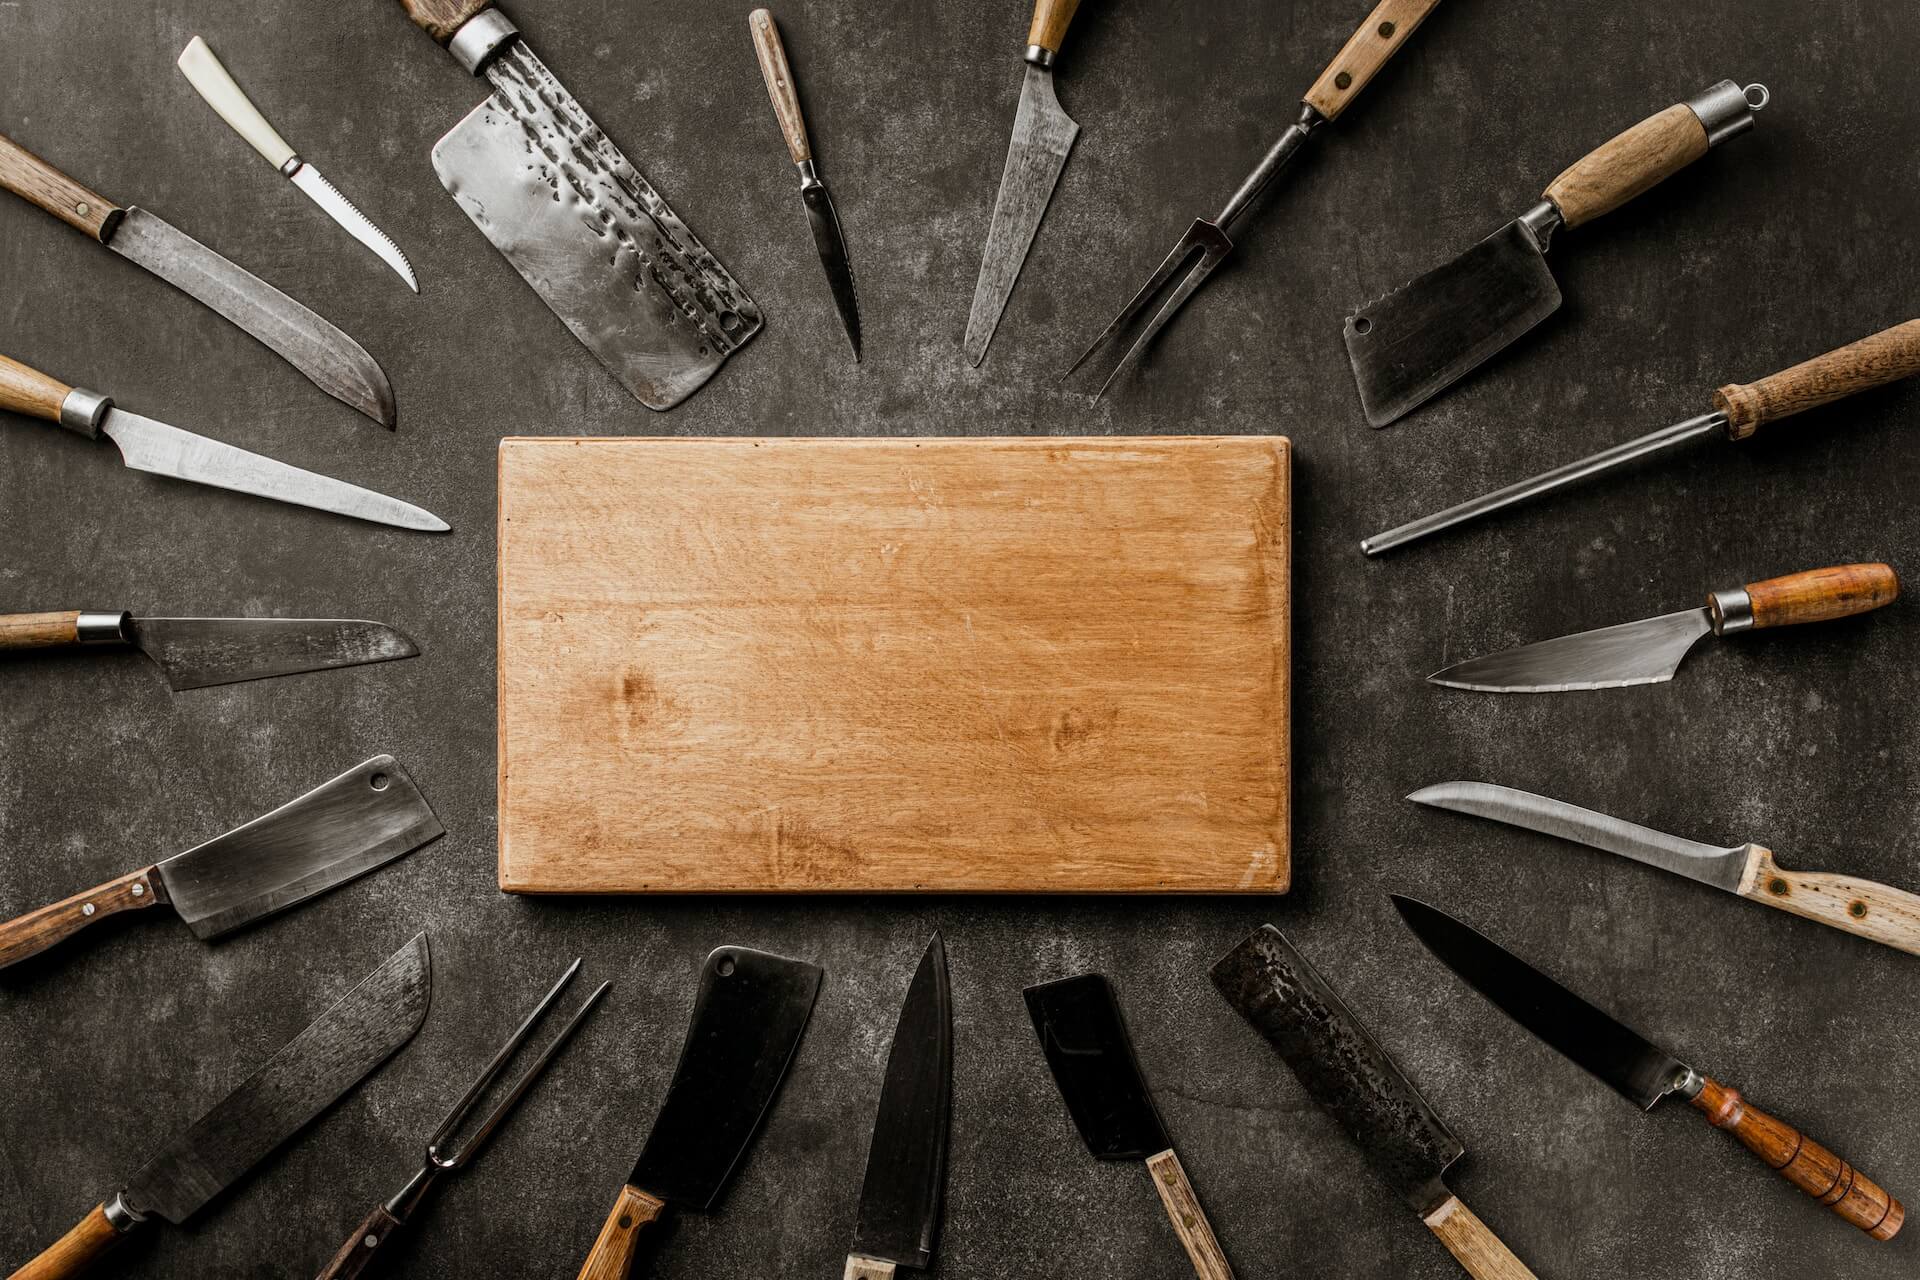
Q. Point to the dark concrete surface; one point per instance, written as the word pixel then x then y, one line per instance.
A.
pixel 1785 243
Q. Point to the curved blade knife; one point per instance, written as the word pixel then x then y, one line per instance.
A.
pixel 198 653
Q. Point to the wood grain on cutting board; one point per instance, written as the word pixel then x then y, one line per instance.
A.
pixel 819 665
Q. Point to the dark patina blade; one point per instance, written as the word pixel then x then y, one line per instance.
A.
pixel 1092 1060
pixel 831 243
pixel 198 652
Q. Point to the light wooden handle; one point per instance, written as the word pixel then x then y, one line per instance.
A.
pixel 1635 161
pixel 38 930
pixel 1864 908
pixel 1821 595
pixel 230 102
pixel 73 1253
pixel 27 390
pixel 39 630
pixel 442 18
pixel 360 1253
pixel 780 89
pixel 1369 49
pixel 39 183
pixel 612 1255
pixel 859 1268
pixel 1189 1220
pixel 1473 1245
pixel 1050 21
pixel 1888 356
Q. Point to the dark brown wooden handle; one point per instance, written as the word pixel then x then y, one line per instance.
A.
pixel 37 182
pixel 73 1253
pixel 1638 160
pixel 37 930
pixel 1804 1162
pixel 1369 49
pixel 441 18
pixel 24 389
pixel 1888 356
pixel 1189 1219
pixel 361 1253
pixel 1821 595
pixel 1473 1244
pixel 1050 21
pixel 612 1255
pixel 39 630
pixel 780 88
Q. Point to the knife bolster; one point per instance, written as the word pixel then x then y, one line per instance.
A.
pixel 83 411
pixel 120 1215
pixel 1731 611
pixel 1726 110
pixel 480 37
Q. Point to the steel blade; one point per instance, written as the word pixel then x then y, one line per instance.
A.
pixel 824 221
pixel 1092 1060
pixel 198 652
pixel 1644 652
pixel 907 1159
pixel 353 222
pixel 338 1050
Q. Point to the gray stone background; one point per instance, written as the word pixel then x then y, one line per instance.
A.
pixel 1788 242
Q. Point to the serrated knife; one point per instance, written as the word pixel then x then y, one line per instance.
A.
pixel 197 653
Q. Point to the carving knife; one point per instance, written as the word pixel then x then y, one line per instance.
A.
pixel 1417 341
pixel 358 822
pixel 1650 651
pixel 747 1021
pixel 338 1049
pixel 1644 1073
pixel 1353 1080
pixel 195 653
pixel 1091 1057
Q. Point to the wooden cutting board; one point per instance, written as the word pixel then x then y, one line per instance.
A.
pixel 980 665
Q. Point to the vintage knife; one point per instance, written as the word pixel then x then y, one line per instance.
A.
pixel 336 363
pixel 1346 1071
pixel 339 1049
pixel 1644 1073
pixel 342 829
pixel 155 447
pixel 209 76
pixel 1091 1057
pixel 194 653
pixel 578 221
pixel 1649 651
pixel 1417 341
pixel 746 1026
pixel 814 196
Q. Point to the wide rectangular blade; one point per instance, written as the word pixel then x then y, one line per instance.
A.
pixel 907 1160
pixel 831 244
pixel 1091 1057
pixel 353 222
pixel 1644 652
pixel 197 652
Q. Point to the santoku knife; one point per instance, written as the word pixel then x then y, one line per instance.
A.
pixel 194 653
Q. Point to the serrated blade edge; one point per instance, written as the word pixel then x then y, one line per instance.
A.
pixel 353 222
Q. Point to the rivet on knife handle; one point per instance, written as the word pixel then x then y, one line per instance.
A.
pixel 37 931
pixel 1473 1244
pixel 1887 356
pixel 1370 48
pixel 1652 151
pixel 39 183
pixel 613 1253
pixel 1816 595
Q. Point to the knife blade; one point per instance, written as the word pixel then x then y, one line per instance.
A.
pixel 1350 1076
pixel 1641 1071
pixel 195 653
pixel 747 1021
pixel 1650 651
pixel 1417 341
pixel 338 1049
pixel 355 823
pixel 1091 1058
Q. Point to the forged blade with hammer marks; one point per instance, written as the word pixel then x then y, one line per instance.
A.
pixel 194 653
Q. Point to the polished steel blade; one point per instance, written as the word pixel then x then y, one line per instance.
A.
pixel 1644 652
pixel 824 222
pixel 198 652
pixel 353 222
pixel 907 1159
pixel 1092 1060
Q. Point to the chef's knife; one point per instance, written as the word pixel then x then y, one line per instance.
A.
pixel 1650 651
pixel 336 363
pixel 337 1050
pixel 342 829
pixel 746 1026
pixel 1642 1072
pixel 1091 1057
pixel 1346 1071
pixel 194 653
pixel 1417 341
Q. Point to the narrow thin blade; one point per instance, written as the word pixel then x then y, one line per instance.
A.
pixel 198 652
pixel 907 1160
pixel 353 222
pixel 1203 237
pixel 1091 1057
pixel 1644 652
pixel 337 1051
pixel 824 221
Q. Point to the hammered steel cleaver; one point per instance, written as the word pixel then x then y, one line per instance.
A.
pixel 196 653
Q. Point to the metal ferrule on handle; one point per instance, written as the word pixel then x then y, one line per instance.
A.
pixel 102 628
pixel 121 1216
pixel 1040 56
pixel 84 411
pixel 1726 110
pixel 1731 611
pixel 485 34
pixel 809 174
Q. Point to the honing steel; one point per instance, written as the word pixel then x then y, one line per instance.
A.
pixel 337 1050
pixel 1739 411
pixel 361 1254
pixel 1864 908
pixel 1346 1071
pixel 194 653
pixel 1644 1073
pixel 1368 50
pixel 822 219
pixel 155 447
pixel 1650 651
pixel 209 76
pixel 1091 1057
pixel 1418 340
pixel 579 223
pixel 746 1026
pixel 336 363
pixel 907 1157
pixel 342 829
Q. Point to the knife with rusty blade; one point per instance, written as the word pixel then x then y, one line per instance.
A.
pixel 195 653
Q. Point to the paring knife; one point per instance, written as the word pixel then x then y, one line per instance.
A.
pixel 822 219
pixel 1644 1073
pixel 194 653
pixel 1091 1057
pixel 1864 908
pixel 229 101
pixel 746 1026
pixel 336 363
pixel 1353 1080
pixel 1650 651
pixel 1417 341
pixel 339 1049
pixel 340 830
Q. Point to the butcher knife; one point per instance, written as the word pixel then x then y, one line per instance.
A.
pixel 195 653
pixel 1346 1071
pixel 342 829
pixel 1417 341
pixel 1650 651
pixel 340 1048
pixel 746 1025
pixel 1091 1057
pixel 1644 1073
pixel 578 221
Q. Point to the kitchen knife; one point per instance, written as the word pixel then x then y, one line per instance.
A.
pixel 195 653
pixel 1092 1061
pixel 578 221
pixel 746 1025
pixel 342 829
pixel 907 1158
pixel 155 447
pixel 1862 907
pixel 339 1049
pixel 1353 1080
pixel 210 78
pixel 1642 1072
pixel 814 196
pixel 336 363
pixel 1417 341
pixel 1649 651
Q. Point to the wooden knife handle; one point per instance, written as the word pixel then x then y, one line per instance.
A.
pixel 1887 356
pixel 1864 908
pixel 1050 21
pixel 1803 1162
pixel 612 1255
pixel 1817 595
pixel 361 1253
pixel 1473 1244
pixel 1369 49
pixel 73 1253
pixel 859 1268
pixel 38 930
pixel 24 389
pixel 442 18
pixel 1633 162
pixel 39 183
pixel 39 630
pixel 780 88
pixel 1189 1220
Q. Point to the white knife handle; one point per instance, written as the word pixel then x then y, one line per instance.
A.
pixel 204 72
pixel 1864 908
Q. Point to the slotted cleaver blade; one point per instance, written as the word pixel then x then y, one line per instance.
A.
pixel 907 1160
pixel 1644 652
pixel 1091 1057
pixel 197 652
